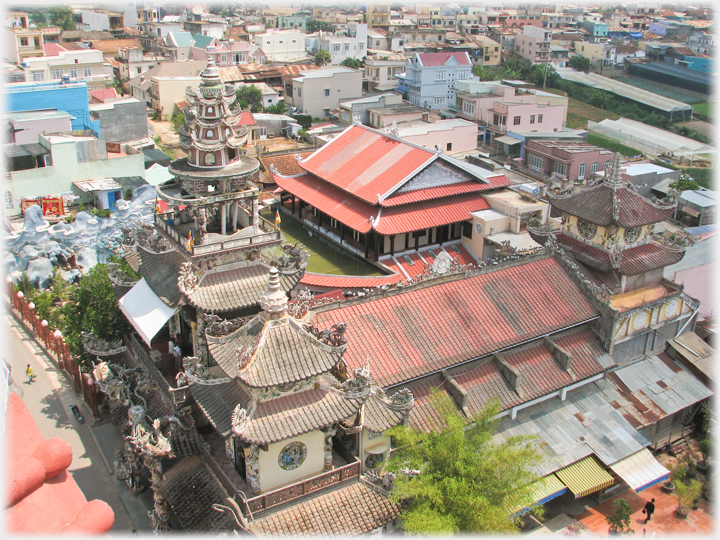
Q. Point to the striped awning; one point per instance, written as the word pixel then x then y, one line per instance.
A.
pixel 585 477
pixel 543 490
pixel 641 470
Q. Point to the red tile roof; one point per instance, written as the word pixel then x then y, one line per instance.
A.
pixel 366 163
pixel 53 49
pixel 333 201
pixel 102 95
pixel 433 327
pixel 246 119
pixel 434 213
pixel 348 282
pixel 445 191
pixel 440 59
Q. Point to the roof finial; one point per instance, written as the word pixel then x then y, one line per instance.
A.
pixel 613 177
pixel 274 300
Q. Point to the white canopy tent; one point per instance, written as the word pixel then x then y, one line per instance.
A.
pixel 145 311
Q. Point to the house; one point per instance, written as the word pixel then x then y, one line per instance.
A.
pixel 491 50
pixel 430 78
pixel 292 22
pixel 351 43
pixel 384 117
pixel 408 197
pixel 381 70
pixel 281 45
pixel 206 25
pixel 226 53
pixel 270 96
pixel 21 42
pixel 645 176
pixel 69 159
pixel 176 46
pixel 627 51
pixel 697 208
pixel 597 53
pixel 534 44
pixel 452 136
pixel 132 61
pixel 111 47
pixel 70 97
pixel 121 120
pixel 155 32
pixel 317 92
pixel 572 161
pixel 504 36
pixel 87 66
pixel 23 127
pixel 140 85
pixel 596 30
pixel 350 109
pixel 101 19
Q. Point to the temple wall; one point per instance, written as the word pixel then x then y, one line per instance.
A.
pixel 273 476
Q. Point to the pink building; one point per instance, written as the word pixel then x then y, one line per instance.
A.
pixel 451 136
pixel 574 161
pixel 229 53
pixel 533 43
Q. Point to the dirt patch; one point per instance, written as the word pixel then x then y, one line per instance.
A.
pixel 169 140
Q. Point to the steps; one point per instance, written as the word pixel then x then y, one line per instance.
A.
pixel 680 447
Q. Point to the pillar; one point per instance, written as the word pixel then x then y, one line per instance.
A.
pixel 252 468
pixel 254 218
pixel 328 447
pixel 223 218
pixel 235 206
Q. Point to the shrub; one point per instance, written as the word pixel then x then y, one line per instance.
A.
pixel 619 519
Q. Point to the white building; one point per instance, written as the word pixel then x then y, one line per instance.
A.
pixel 316 92
pixel 78 65
pixel 341 45
pixel 281 45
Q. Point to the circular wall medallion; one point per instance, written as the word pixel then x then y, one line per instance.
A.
pixel 640 321
pixel 292 456
pixel 587 229
pixel 478 228
pixel 671 308
pixel 632 234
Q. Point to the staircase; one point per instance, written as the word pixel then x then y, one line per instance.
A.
pixel 680 447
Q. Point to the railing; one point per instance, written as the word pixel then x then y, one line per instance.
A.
pixel 300 489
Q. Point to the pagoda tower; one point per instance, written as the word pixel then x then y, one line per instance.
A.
pixel 609 228
pixel 209 251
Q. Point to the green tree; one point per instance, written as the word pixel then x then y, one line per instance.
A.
pixel 322 58
pixel 580 63
pixel 278 108
pixel 619 520
pixel 685 183
pixel 481 72
pixel 249 96
pixel 466 482
pixel 94 308
pixel 38 17
pixel 177 120
pixel 351 63
pixel 61 15
pixel 313 25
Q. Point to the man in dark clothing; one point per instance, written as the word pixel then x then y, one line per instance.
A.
pixel 649 509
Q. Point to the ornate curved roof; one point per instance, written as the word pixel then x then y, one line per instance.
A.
pixel 160 271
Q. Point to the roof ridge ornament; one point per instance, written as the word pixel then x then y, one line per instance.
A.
pixel 274 301
pixel 392 129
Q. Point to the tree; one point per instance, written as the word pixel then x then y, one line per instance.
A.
pixel 580 63
pixel 466 482
pixel 94 308
pixel 61 16
pixel 313 25
pixel 685 183
pixel 38 17
pixel 249 96
pixel 278 108
pixel 351 63
pixel 177 120
pixel 619 520
pixel 322 58
pixel 481 72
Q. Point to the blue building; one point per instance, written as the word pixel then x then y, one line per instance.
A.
pixel 703 64
pixel 430 78
pixel 597 30
pixel 69 97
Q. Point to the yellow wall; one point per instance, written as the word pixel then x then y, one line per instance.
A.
pixel 273 476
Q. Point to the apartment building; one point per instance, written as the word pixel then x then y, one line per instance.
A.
pixel 597 53
pixel 131 62
pixel 21 42
pixel 281 45
pixel 491 50
pixel 430 78
pixel 381 71
pixel 86 65
pixel 351 43
pixel 534 44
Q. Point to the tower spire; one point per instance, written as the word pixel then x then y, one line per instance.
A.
pixel 274 300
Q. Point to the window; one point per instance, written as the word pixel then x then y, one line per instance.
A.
pixel 327 92
pixel 516 121
pixel 209 159
pixel 469 107
pixel 347 46
pixel 326 112
pixel 263 131
pixel 299 93
pixel 211 111
pixel 467 229
pixel 487 58
pixel 139 71
pixel 87 71
pixel 532 118
pixel 210 134
pixel 440 75
pixel 594 167
pixel 536 162
pixel 336 47
pixel 607 164
pixel 540 118
pixel 362 46
pixel 581 171
pixel 73 73
pixel 560 168
pixel 37 41
pixel 38 75
pixel 23 42
pixel 439 101
pixel 223 58
pixel 448 147
pixel 56 73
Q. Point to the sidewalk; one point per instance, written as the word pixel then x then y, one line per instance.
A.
pixel 663 522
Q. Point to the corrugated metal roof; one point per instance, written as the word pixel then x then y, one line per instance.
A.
pixel 585 477
pixel 544 490
pixel 641 470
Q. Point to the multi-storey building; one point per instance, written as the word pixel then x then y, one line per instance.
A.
pixel 345 44
pixel 22 42
pixel 597 53
pixel 381 71
pixel 75 65
pixel 534 44
pixel 317 92
pixel 281 45
pixel 430 78
pixel 573 161
pixel 491 50
pixel 132 62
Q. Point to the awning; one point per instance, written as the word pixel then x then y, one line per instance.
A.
pixel 585 477
pixel 691 211
pixel 641 470
pixel 543 490
pixel 505 139
pixel 145 311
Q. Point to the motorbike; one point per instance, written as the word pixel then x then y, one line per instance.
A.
pixel 77 413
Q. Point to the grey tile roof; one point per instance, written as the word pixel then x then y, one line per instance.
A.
pixel 377 417
pixel 132 257
pixel 191 490
pixel 238 288
pixel 218 402
pixel 187 68
pixel 160 270
pixel 284 353
pixel 350 510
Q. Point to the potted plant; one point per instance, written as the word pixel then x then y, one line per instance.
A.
pixel 685 495
pixel 619 519
pixel 676 476
pixel 691 467
pixel 705 451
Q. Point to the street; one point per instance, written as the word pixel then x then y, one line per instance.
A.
pixel 48 399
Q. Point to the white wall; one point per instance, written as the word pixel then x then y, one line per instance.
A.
pixel 273 476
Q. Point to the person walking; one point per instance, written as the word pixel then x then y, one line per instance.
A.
pixel 649 509
pixel 30 373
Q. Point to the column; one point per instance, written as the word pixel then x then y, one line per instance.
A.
pixel 329 447
pixel 252 468
pixel 254 218
pixel 223 218
pixel 235 206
